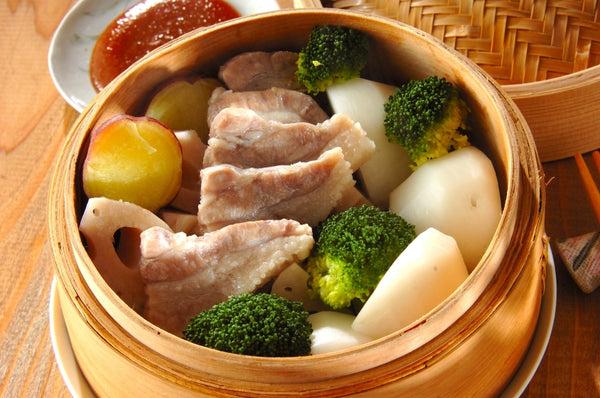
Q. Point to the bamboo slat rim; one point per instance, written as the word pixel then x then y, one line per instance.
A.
pixel 70 253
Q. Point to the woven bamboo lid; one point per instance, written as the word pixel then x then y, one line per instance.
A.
pixel 514 41
pixel 544 53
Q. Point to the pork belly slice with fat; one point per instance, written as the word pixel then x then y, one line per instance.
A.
pixel 243 138
pixel 185 275
pixel 260 70
pixel 275 103
pixel 304 191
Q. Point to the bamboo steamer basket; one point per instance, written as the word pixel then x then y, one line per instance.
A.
pixel 545 54
pixel 470 345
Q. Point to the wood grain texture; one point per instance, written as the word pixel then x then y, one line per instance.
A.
pixel 562 113
pixel 571 366
pixel 34 120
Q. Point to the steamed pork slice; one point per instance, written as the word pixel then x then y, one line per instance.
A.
pixel 187 274
pixel 275 103
pixel 243 138
pixel 305 191
pixel 260 70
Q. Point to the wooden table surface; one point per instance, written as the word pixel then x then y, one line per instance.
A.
pixel 34 120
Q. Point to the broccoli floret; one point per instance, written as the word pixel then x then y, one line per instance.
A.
pixel 352 252
pixel 258 324
pixel 428 118
pixel 333 54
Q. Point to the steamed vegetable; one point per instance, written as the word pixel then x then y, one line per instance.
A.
pixel 181 104
pixel 457 194
pixel 102 220
pixel 291 283
pixel 390 164
pixel 332 331
pixel 333 54
pixel 258 324
pixel 134 159
pixel 429 270
pixel 428 118
pixel 424 171
pixel 352 251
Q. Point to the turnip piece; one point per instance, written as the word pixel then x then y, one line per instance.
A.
pixel 458 195
pixel 332 331
pixel 429 270
pixel 362 100
pixel 101 219
pixel 291 283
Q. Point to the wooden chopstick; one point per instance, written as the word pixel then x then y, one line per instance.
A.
pixel 596 157
pixel 588 181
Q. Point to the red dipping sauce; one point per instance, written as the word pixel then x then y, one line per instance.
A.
pixel 146 26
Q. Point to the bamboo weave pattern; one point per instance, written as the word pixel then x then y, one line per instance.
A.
pixel 514 41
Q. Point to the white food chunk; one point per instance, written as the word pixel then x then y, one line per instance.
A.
pixel 101 219
pixel 429 270
pixel 457 194
pixel 180 221
pixel 332 331
pixel 192 149
pixel 389 166
pixel 292 284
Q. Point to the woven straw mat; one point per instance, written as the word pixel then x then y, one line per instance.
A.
pixel 515 42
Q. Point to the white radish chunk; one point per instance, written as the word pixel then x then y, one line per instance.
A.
pixel 456 194
pixel 429 270
pixel 291 284
pixel 332 331
pixel 362 100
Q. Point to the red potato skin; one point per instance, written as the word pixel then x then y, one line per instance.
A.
pixel 121 116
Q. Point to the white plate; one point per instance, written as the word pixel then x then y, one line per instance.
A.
pixel 79 388
pixel 72 44
pixel 63 351
pixel 541 337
